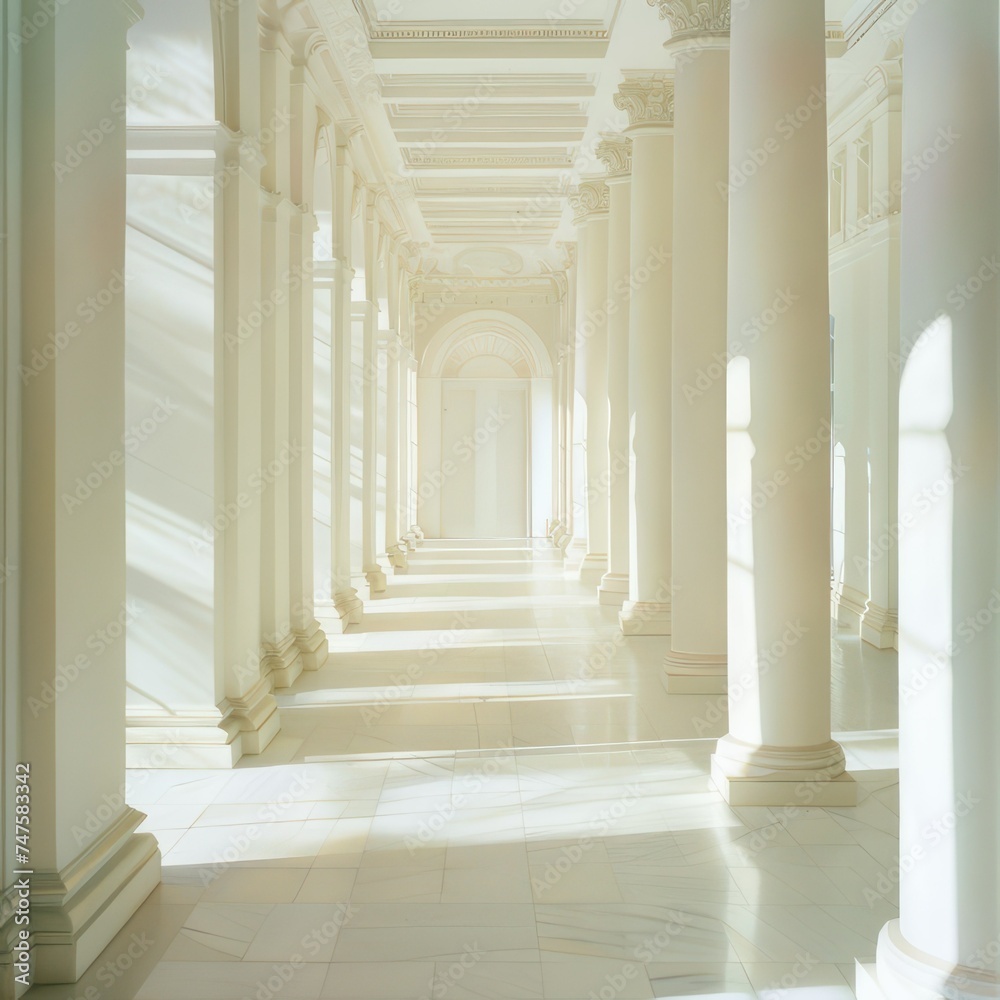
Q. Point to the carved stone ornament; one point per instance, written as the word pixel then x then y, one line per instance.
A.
pixel 589 199
pixel 648 99
pixel 694 17
pixel 615 152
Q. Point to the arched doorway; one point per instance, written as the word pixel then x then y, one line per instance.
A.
pixel 485 430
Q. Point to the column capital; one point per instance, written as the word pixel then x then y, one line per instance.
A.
pixel 590 200
pixel 648 97
pixel 692 18
pixel 615 152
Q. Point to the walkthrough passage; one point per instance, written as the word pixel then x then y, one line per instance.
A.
pixel 487 791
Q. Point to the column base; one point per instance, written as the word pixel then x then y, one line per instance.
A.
pixel 348 606
pixel 645 618
pixel 397 557
pixel 576 549
pixel 902 972
pixel 313 645
pixel 376 580
pixel 217 737
pixel 77 912
pixel 418 533
pixel 282 661
pixel 409 540
pixel 849 606
pixel 613 590
pixel 880 627
pixel 695 673
pixel 593 566
pixel 561 539
pixel 782 776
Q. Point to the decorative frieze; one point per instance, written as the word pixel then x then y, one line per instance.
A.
pixel 591 198
pixel 615 152
pixel 648 99
pixel 694 17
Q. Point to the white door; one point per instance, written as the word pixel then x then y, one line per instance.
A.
pixel 484 459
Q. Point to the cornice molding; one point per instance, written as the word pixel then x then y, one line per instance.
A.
pixel 488 158
pixel 615 152
pixel 689 18
pixel 648 98
pixel 591 199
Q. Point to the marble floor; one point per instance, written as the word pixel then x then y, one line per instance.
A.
pixel 487 792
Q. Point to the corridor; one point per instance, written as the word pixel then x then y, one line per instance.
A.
pixel 487 792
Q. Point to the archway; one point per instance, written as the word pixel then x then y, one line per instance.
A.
pixel 485 417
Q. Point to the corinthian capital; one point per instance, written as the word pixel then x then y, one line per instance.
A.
pixel 615 152
pixel 694 17
pixel 590 199
pixel 648 98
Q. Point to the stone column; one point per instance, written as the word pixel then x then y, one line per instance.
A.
pixel 345 598
pixel 947 938
pixel 311 639
pixel 88 868
pixel 590 212
pixel 778 461
pixel 572 518
pixel 649 100
pixel 615 151
pixel 369 394
pixel 395 552
pixel 281 457
pixel 699 43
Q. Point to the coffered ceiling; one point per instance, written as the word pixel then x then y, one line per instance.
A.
pixel 485 114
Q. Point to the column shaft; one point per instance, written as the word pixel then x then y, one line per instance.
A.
pixel 615 151
pixel 946 939
pixel 346 601
pixel 779 746
pixel 649 101
pixel 591 351
pixel 89 869
pixel 696 662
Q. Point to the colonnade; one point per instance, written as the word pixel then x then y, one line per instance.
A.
pixel 729 430
pixel 179 425
pixel 268 324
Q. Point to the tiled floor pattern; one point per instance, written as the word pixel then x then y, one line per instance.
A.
pixel 487 792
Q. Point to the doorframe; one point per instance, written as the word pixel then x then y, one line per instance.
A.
pixel 525 384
